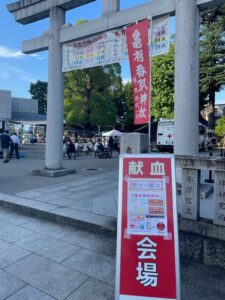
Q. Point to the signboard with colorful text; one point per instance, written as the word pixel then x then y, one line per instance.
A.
pixel 160 36
pixel 147 233
pixel 102 49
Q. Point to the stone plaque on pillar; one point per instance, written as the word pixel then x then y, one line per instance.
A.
pixel 190 194
pixel 219 197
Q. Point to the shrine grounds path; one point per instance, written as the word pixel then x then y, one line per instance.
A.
pixel 43 257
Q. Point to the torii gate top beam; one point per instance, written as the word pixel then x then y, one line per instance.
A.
pixel 114 20
pixel 29 11
pixel 24 9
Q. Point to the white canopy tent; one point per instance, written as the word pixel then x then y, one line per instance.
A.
pixel 112 133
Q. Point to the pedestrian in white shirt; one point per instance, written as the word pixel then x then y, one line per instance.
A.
pixel 85 147
pixel 14 145
pixel 90 146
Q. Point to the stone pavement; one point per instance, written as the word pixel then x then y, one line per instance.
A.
pixel 40 259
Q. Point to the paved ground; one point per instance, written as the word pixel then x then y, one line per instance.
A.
pixel 19 170
pixel 43 260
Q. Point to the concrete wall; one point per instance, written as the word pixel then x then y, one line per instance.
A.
pixel 5 105
pixel 24 105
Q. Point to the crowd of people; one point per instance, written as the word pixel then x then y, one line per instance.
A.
pixel 101 147
pixel 78 147
pixel 9 145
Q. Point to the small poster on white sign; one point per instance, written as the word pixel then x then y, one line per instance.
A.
pixel 147 207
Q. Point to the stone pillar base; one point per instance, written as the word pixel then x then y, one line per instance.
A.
pixel 53 173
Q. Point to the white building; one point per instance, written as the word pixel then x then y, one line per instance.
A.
pixel 19 111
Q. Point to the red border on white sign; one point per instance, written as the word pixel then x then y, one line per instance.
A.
pixel 147 264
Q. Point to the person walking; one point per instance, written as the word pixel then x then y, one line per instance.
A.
pixel 70 150
pixel 14 145
pixel 5 143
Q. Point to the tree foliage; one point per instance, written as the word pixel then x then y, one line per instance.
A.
pixel 91 96
pixel 220 127
pixel 163 85
pixel 212 67
pixel 129 107
pixel 38 91
pixel 212 59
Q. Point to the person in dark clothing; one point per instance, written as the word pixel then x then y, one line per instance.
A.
pixel 110 143
pixel 100 147
pixel 5 143
pixel 70 149
pixel 116 144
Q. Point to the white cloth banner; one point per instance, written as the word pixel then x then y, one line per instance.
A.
pixel 160 36
pixel 111 47
pixel 106 48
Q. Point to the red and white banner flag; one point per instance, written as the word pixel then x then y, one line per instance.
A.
pixel 138 51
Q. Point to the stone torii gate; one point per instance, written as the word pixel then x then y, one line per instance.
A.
pixel 186 58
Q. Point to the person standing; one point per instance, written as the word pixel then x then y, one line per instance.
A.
pixel 85 147
pixel 71 149
pixel 90 146
pixel 5 143
pixel 64 146
pixel 116 143
pixel 110 143
pixel 14 145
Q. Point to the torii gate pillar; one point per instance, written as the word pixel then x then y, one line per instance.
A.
pixel 55 104
pixel 186 78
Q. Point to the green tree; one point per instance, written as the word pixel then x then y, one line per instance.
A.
pixel 91 96
pixel 38 91
pixel 162 105
pixel 220 128
pixel 129 107
pixel 212 58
